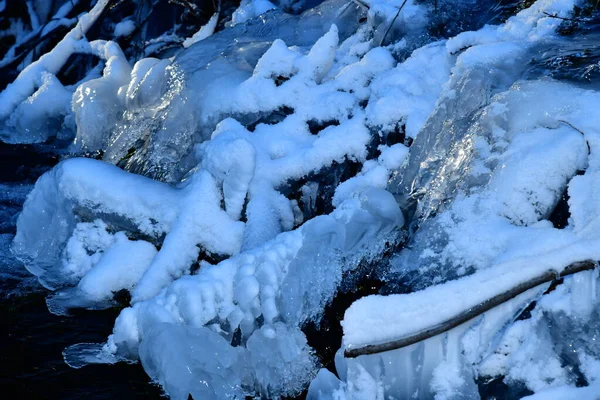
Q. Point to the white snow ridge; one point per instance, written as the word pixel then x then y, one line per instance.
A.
pixel 284 157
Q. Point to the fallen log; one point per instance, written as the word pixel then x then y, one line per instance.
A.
pixel 459 319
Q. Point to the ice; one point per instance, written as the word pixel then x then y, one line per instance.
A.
pixel 282 360
pixel 535 351
pixel 420 310
pixel 82 354
pixel 250 9
pixel 470 89
pixel 472 158
pixel 446 365
pixel 323 386
pixel 201 363
pixel 201 222
pixel 97 103
pixel 408 94
pixel 93 188
pixel 488 167
pixel 43 111
pixel 128 201
pixel 193 361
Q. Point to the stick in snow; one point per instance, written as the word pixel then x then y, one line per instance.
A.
pixel 471 313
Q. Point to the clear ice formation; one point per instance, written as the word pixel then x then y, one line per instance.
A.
pixel 243 185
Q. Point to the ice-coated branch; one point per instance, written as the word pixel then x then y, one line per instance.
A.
pixel 52 62
pixel 469 314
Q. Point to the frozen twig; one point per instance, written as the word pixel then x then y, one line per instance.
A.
pixel 392 23
pixel 563 18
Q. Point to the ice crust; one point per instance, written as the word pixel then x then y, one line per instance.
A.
pixel 251 188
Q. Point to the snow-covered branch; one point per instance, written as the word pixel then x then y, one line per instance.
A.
pixel 52 62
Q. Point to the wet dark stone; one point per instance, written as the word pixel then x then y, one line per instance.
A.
pixel 315 126
pixel 497 389
pixel 271 118
pixel 561 214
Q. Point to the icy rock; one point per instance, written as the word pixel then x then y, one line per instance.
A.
pixel 189 216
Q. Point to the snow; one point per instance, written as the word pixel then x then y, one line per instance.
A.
pixel 120 267
pixel 150 206
pixel 409 93
pixel 567 393
pixel 204 32
pixel 496 223
pixel 124 28
pixel 265 270
pixel 268 282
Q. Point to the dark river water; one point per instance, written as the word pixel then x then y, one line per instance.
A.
pixel 32 339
